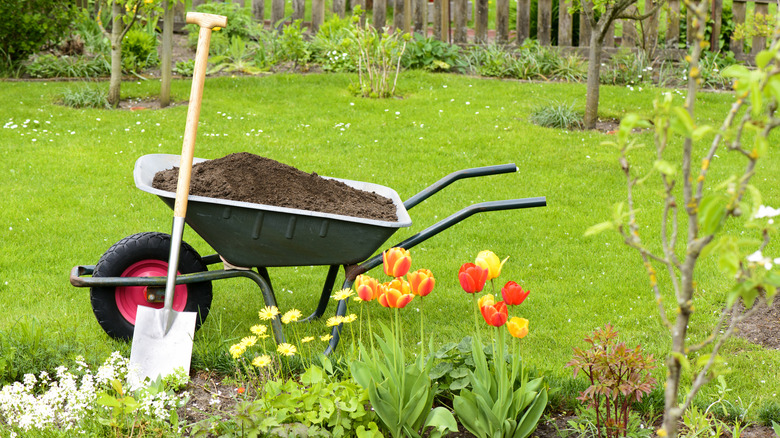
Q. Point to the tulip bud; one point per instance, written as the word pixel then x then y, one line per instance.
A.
pixel 496 314
pixel 472 278
pixel 396 262
pixel 513 294
pixel 489 261
pixel 421 282
pixel 518 327
pixel 367 287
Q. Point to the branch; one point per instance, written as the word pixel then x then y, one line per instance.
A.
pixel 135 16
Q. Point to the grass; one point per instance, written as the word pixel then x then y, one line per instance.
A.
pixel 69 195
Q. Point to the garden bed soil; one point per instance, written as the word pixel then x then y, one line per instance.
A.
pixel 251 178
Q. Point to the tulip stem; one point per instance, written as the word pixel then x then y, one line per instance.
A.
pixel 370 332
pixel 422 337
pixel 476 319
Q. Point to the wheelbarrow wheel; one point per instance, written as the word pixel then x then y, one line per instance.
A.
pixel 145 255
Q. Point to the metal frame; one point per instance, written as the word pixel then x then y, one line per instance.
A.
pixel 263 280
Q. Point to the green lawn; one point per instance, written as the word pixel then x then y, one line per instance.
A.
pixel 68 195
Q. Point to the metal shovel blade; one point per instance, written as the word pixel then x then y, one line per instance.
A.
pixel 161 343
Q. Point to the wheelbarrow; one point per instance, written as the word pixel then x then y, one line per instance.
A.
pixel 133 271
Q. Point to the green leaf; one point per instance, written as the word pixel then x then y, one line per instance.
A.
pixel 599 228
pixel 700 132
pixel 681 122
pixel 682 359
pixel 712 213
pixel 736 71
pixel 664 167
pixel 442 421
pixel 764 57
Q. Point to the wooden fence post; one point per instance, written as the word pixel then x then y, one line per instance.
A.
pixel 461 21
pixel 502 21
pixel 445 21
pixel 277 12
pixel 437 19
pixel 738 9
pixel 239 2
pixel 609 38
pixel 564 24
pixel 717 19
pixel 759 42
pixel 421 17
pixel 258 11
pixel 673 24
pixel 317 15
pixel 299 8
pixel 481 22
pixel 339 7
pixel 523 24
pixel 544 22
pixel 380 14
pixel 585 30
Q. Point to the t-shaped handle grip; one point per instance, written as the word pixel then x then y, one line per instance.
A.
pixel 209 21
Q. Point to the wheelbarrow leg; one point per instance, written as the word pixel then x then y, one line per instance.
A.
pixel 269 298
pixel 327 290
pixel 351 272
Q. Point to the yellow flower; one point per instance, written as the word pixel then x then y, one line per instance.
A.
pixel 343 294
pixel 307 339
pixel 349 318
pixel 518 327
pixel 286 349
pixel 258 329
pixel 148 1
pixel 268 313
pixel 262 361
pixel 216 28
pixel 489 261
pixel 486 300
pixel 249 341
pixel 334 321
pixel 325 338
pixel 237 350
pixel 291 316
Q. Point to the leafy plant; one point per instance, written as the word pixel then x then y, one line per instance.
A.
pixel 430 54
pixel 402 395
pixel 185 68
pixel 585 424
pixel 237 58
pixel 557 115
pixel 50 66
pixel 37 25
pixel 379 55
pixel 769 413
pixel 241 22
pixel 139 50
pixel 90 95
pixel 491 61
pixel 292 45
pixel 618 377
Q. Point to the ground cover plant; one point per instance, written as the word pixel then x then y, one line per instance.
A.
pixel 70 195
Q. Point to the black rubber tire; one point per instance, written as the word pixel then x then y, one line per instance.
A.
pixel 135 248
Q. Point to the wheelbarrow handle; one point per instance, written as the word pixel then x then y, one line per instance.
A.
pixel 454 176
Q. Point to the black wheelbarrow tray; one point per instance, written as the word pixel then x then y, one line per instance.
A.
pixel 133 271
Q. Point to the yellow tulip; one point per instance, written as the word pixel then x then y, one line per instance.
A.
pixel 489 261
pixel 518 327
pixel 486 300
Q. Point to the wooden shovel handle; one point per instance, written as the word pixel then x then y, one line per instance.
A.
pixel 206 23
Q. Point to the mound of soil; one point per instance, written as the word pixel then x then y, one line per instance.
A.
pixel 251 178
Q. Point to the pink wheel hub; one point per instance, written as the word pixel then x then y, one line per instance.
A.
pixel 128 298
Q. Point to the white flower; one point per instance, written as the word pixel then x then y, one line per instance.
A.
pixel 764 211
pixel 759 258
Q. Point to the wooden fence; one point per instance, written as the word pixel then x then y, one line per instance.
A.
pixel 451 21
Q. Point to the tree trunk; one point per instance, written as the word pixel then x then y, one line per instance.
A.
pixel 115 83
pixel 594 68
pixel 167 49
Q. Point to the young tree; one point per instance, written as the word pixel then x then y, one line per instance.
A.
pixel 600 15
pixel 123 14
pixel 706 207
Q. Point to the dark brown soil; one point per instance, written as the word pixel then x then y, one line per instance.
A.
pixel 250 178
pixel 762 326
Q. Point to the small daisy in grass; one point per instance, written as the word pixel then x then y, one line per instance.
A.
pixel 268 313
pixel 334 321
pixel 249 341
pixel 307 339
pixel 237 350
pixel 291 316
pixel 262 361
pixel 286 349
pixel 326 338
pixel 349 318
pixel 259 330
pixel 343 294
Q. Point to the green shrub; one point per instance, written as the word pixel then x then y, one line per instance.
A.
pixel 490 61
pixel 86 96
pixel 769 413
pixel 430 54
pixel 33 25
pixel 557 115
pixel 139 50
pixel 293 47
pixel 330 47
pixel 241 23
pixel 50 66
pixel 184 68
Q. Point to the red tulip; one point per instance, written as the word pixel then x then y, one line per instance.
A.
pixel 395 294
pixel 514 294
pixel 396 262
pixel 421 282
pixel 472 278
pixel 496 314
pixel 367 287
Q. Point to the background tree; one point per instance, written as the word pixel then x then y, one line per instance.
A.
pixel 704 214
pixel 601 14
pixel 123 14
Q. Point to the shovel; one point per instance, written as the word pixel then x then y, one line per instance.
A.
pixel 162 338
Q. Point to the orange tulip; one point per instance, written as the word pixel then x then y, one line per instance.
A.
pixel 395 294
pixel 472 278
pixel 396 262
pixel 518 327
pixel 514 294
pixel 496 314
pixel 421 282
pixel 367 287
